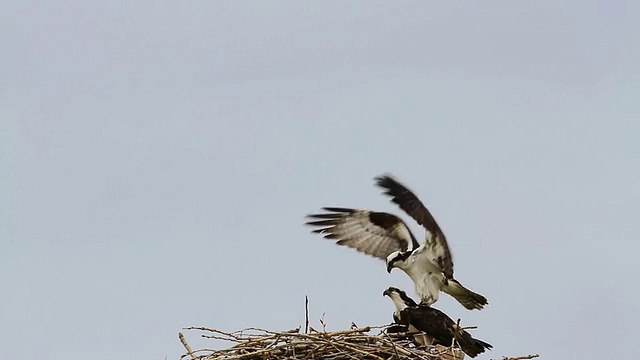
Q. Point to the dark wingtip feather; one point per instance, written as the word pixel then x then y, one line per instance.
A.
pixel 339 209
pixel 385 177
pixel 390 185
pixel 325 216
pixel 326 222
pixel 333 213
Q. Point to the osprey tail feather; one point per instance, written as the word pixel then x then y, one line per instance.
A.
pixel 466 297
pixel 471 346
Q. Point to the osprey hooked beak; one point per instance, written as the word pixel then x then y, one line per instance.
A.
pixel 389 267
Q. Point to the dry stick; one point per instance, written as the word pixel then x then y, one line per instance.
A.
pixel 312 352
pixel 232 336
pixel 533 356
pixel 349 347
pixel 393 345
pixel 319 336
pixel 347 332
pixel 287 332
pixel 455 338
pixel 324 325
pixel 341 350
pixel 327 337
pixel 186 345
pixel 258 352
pixel 306 314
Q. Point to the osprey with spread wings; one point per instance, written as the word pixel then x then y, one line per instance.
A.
pixel 387 237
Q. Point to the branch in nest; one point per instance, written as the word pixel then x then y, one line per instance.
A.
pixel 186 345
pixel 533 356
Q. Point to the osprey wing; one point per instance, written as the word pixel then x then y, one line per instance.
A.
pixel 437 243
pixel 443 329
pixel 374 233
pixel 431 321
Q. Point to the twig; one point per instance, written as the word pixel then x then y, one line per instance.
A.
pixel 456 334
pixel 186 345
pixel 395 351
pixel 324 325
pixel 306 314
pixel 347 332
pixel 533 356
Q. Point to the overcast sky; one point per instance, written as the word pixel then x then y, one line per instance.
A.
pixel 157 160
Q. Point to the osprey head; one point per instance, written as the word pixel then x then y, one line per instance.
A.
pixel 393 258
pixel 392 290
pixel 399 297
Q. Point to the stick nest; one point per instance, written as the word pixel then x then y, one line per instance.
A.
pixel 356 343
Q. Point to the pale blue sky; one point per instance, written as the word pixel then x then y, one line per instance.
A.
pixel 157 160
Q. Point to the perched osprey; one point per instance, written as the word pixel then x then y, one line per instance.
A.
pixel 387 237
pixel 432 325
